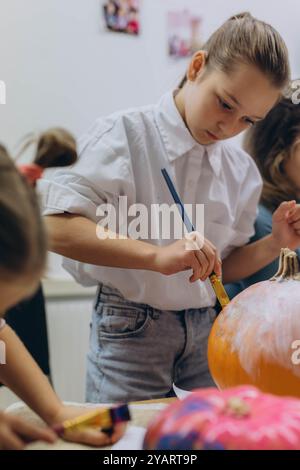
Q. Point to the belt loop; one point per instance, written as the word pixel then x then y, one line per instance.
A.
pixel 154 313
pixel 98 295
pixel 212 313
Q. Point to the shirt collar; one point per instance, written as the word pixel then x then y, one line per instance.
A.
pixel 176 137
pixel 214 152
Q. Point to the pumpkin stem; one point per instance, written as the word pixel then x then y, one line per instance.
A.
pixel 288 266
pixel 237 407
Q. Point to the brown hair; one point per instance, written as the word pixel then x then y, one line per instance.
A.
pixel 245 39
pixel 54 148
pixel 271 143
pixel 23 243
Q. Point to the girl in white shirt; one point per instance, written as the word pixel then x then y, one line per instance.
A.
pixel 150 324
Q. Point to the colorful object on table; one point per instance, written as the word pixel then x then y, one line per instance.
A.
pixel 32 172
pixel 104 419
pixel 241 418
pixel 214 279
pixel 256 339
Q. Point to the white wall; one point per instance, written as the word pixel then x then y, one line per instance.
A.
pixel 61 68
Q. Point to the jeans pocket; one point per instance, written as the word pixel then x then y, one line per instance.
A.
pixel 115 321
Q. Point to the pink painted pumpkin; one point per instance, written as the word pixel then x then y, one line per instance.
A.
pixel 241 418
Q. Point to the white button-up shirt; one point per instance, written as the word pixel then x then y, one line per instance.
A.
pixel 123 154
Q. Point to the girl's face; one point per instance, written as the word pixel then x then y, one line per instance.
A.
pixel 217 106
pixel 292 166
pixel 13 291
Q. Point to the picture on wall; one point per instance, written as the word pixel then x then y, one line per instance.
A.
pixel 184 33
pixel 122 16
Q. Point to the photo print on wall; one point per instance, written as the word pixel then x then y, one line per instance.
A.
pixel 184 33
pixel 122 16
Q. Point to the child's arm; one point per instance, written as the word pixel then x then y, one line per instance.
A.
pixel 23 376
pixel 75 237
pixel 247 260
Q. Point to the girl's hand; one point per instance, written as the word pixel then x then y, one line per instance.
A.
pixel 286 225
pixel 193 252
pixel 89 436
pixel 15 433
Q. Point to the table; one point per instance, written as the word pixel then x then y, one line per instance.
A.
pixel 141 412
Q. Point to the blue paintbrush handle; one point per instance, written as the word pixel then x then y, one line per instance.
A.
pixel 177 200
pixel 215 281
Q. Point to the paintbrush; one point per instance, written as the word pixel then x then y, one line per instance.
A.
pixel 214 279
pixel 103 418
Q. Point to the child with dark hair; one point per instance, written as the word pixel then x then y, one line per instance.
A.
pixel 23 252
pixel 28 318
pixel 274 144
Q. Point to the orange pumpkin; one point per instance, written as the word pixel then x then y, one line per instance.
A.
pixel 256 338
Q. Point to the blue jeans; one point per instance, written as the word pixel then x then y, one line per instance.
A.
pixel 137 352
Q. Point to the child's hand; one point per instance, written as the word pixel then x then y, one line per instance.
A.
pixel 15 433
pixel 193 252
pixel 89 436
pixel 286 225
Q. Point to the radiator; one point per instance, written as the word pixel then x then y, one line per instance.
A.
pixel 69 310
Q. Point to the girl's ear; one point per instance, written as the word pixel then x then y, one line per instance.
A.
pixel 197 65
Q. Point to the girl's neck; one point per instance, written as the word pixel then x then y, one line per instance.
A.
pixel 179 102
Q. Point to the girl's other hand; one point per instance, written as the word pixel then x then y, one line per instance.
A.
pixel 286 225
pixel 15 433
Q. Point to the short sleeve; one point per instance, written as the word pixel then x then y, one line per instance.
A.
pixel 102 173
